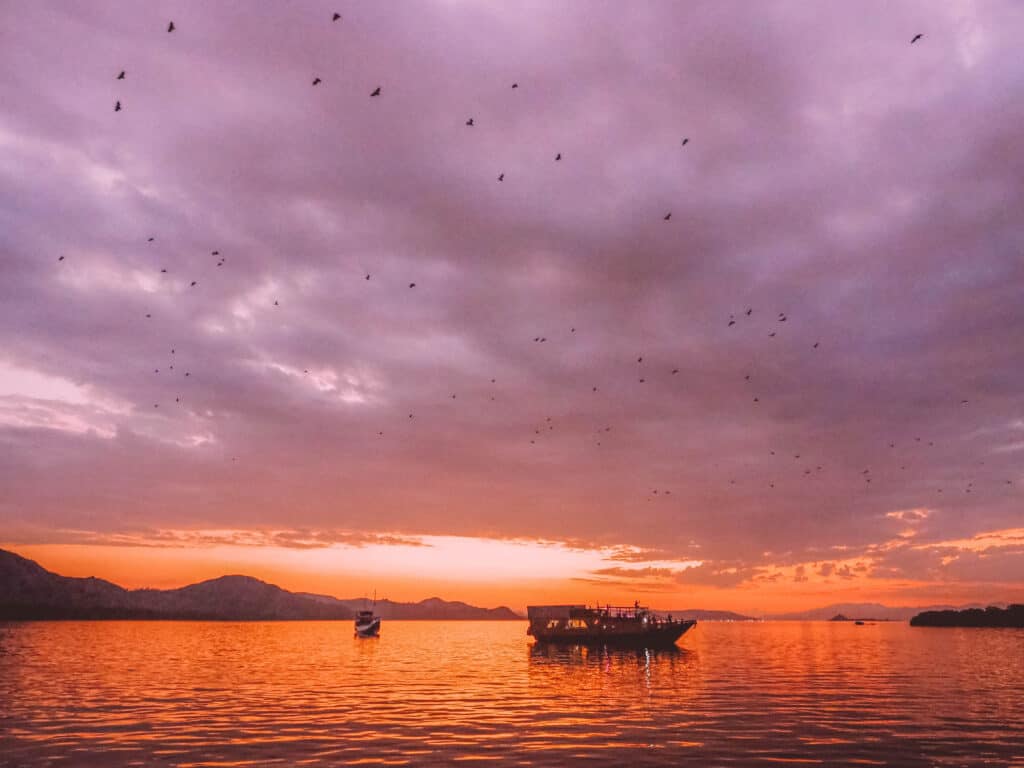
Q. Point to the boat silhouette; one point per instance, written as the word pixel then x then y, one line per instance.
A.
pixel 367 624
pixel 633 627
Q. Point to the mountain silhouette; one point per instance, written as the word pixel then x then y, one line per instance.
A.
pixel 29 592
pixel 871 611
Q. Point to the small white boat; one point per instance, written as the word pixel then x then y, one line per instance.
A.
pixel 368 625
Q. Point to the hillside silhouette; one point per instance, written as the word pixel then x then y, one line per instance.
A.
pixel 1013 616
pixel 30 592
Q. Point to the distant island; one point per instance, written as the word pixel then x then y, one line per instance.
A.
pixel 1013 616
pixel 865 612
pixel 30 592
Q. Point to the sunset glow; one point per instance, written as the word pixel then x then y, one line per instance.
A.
pixel 706 307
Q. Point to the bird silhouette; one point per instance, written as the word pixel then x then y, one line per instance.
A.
pixel 668 216
pixel 367 275
pixel 317 81
pixel 150 240
pixel 515 85
pixel 501 177
pixel 916 37
pixel 376 91
pixel 60 258
pixel 121 76
pixel 335 17
pixel 117 107
pixel 469 122
pixel 750 312
pixel 170 27
pixel 194 284
pixel 275 303
pixel 685 142
pixel 412 285
pixel 558 156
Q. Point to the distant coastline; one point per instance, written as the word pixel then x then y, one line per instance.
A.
pixel 1012 617
pixel 29 592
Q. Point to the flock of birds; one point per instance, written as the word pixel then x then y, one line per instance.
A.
pixel 808 468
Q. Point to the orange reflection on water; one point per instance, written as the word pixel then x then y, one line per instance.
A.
pixel 182 693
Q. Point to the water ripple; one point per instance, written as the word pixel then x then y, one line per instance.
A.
pixel 431 693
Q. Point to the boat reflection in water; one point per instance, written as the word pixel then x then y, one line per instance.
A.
pixel 635 627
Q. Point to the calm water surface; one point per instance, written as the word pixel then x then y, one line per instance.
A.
pixel 165 693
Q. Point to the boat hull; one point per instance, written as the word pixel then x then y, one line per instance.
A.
pixel 663 635
pixel 369 629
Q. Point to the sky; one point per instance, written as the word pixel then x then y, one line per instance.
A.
pixel 349 343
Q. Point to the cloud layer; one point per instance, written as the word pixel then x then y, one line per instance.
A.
pixel 864 189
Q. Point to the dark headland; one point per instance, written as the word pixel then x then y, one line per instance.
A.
pixel 1012 616
pixel 30 592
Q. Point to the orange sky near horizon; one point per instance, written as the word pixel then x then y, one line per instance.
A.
pixel 488 573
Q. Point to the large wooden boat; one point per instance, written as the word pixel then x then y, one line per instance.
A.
pixel 635 627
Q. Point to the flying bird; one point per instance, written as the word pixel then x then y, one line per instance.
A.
pixel 335 17
pixel 117 107
pixel 685 142
pixel 367 275
pixel 60 258
pixel 412 285
pixel 376 92
pixel 915 38
pixel 194 284
pixel 469 122
pixel 150 240
pixel 121 76
pixel 558 157
pixel 668 215
pixel 317 81
pixel 501 177
pixel 515 85
pixel 170 27
pixel 750 312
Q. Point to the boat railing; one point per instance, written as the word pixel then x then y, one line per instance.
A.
pixel 635 611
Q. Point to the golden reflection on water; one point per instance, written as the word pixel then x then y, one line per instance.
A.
pixel 308 693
